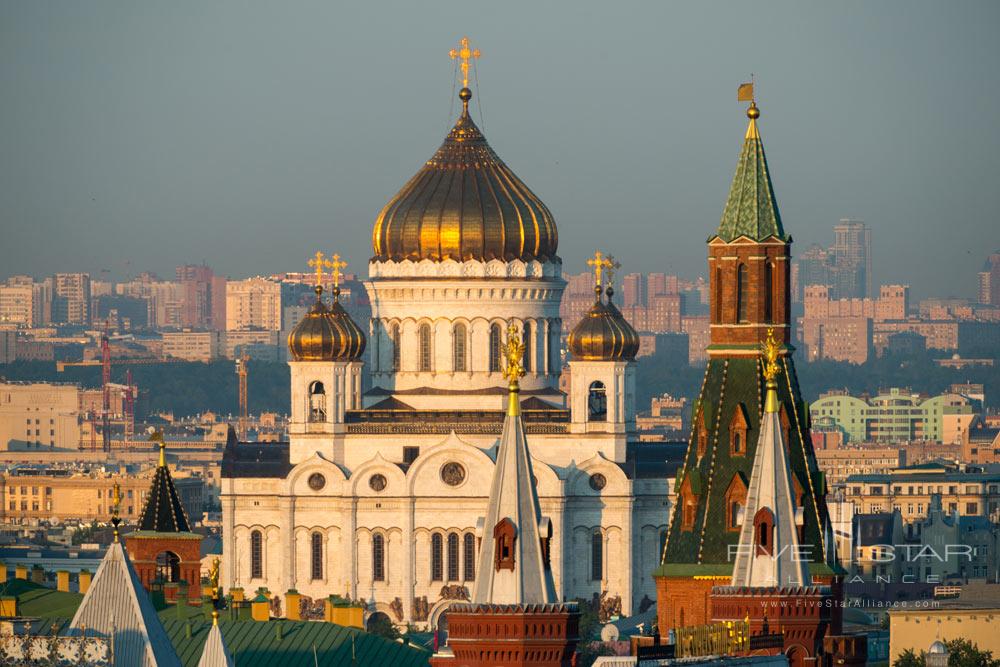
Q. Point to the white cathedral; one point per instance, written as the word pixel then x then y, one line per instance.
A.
pixel 378 493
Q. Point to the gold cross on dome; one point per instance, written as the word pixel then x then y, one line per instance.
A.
pixel 335 267
pixel 599 262
pixel 613 266
pixel 318 263
pixel 464 53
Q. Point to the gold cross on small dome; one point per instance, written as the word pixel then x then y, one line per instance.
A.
pixel 318 263
pixel 600 262
pixel 335 267
pixel 465 54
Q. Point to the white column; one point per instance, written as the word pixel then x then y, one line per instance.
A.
pixel 632 555
pixel 408 569
pixel 229 539
pixel 547 363
pixel 287 504
pixel 558 549
pixel 351 544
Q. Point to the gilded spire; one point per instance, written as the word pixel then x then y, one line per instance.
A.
pixel 116 503
pixel 513 370
pixel 769 350
pixel 163 455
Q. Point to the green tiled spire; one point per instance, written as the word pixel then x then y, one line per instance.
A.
pixel 751 209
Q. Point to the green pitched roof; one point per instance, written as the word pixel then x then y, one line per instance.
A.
pixel 751 209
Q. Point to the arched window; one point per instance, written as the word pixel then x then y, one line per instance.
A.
pixel 316 553
pixel 378 557
pixel 424 341
pixel 458 354
pixel 452 556
pixel 394 344
pixel 469 557
pixel 437 556
pixel 596 555
pixel 256 555
pixel 742 294
pixel 168 567
pixel 763 526
pixel 734 514
pixel 495 345
pixel 718 295
pixel 526 338
pixel 555 359
pixel 597 402
pixel 768 292
pixel 317 402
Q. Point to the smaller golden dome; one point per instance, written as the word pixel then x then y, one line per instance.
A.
pixel 603 334
pixel 326 333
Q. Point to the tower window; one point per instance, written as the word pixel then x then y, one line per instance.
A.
pixel 597 402
pixel 424 339
pixel 769 292
pixel 742 294
pixel 504 536
pixel 378 557
pixel 763 528
pixel 469 557
pixel 554 358
pixel 437 556
pixel 458 346
pixel 256 555
pixel 394 343
pixel 718 295
pixel 452 556
pixel 526 338
pixel 317 402
pixel 596 555
pixel 168 566
pixel 316 544
pixel 495 344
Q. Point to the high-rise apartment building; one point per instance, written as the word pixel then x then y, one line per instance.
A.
pixel 71 298
pixel 204 297
pixel 812 268
pixel 254 303
pixel 852 259
pixel 989 281
pixel 17 305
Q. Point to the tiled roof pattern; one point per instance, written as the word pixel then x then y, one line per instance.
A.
pixel 751 209
pixel 163 511
pixel 727 384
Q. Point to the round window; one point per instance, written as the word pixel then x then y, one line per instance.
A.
pixel 598 481
pixel 377 482
pixel 452 473
pixel 316 481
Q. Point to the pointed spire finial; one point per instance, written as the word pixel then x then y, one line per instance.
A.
pixel 513 370
pixel 215 617
pixel 116 502
pixel 769 350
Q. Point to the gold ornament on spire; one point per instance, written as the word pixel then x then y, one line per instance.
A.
pixel 770 350
pixel 318 264
pixel 116 502
pixel 213 577
pixel 600 262
pixel 513 368
pixel 465 54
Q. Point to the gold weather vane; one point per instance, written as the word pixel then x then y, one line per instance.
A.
pixel 465 54
pixel 318 263
pixel 769 350
pixel 513 352
pixel 600 262
pixel 116 502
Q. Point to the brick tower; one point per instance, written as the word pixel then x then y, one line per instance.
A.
pixel 514 618
pixel 162 548
pixel 748 263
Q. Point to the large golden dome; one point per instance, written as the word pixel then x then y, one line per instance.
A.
pixel 465 204
pixel 326 334
pixel 603 334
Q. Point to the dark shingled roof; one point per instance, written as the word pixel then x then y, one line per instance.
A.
pixel 163 511
pixel 251 459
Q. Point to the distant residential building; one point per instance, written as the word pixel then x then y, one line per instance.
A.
pixel 837 338
pixel 71 300
pixel 257 344
pixel 981 443
pixel 39 492
pixel 697 328
pixel 204 304
pixel 839 464
pixel 910 490
pixel 37 415
pixel 254 303
pixel 904 343
pixel 811 268
pixel 956 361
pixel 852 259
pixel 842 329
pixel 989 281
pixel 8 345
pixel 666 416
pixel 17 305
pixel 204 346
pixel 895 415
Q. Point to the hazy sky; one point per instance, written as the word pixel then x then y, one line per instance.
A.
pixel 249 135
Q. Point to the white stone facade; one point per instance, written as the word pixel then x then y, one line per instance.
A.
pixel 357 512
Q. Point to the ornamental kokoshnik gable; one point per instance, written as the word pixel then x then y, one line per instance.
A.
pixel 748 263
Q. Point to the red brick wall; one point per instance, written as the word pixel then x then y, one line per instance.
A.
pixel 723 261
pixel 683 601
pixel 142 552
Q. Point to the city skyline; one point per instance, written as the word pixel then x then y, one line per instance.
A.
pixel 134 152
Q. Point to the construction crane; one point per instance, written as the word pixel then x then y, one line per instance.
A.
pixel 129 409
pixel 106 386
pixel 92 418
pixel 241 371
